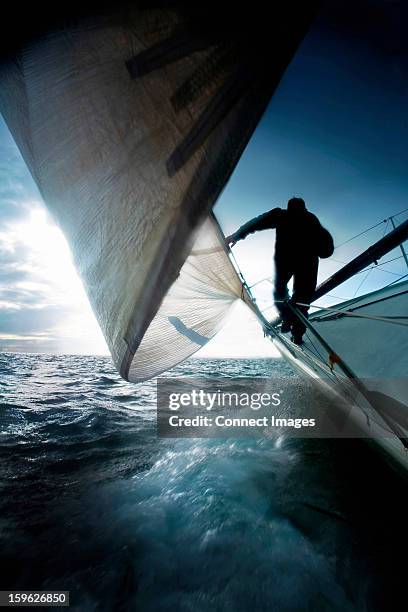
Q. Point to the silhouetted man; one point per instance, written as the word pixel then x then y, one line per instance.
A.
pixel 300 241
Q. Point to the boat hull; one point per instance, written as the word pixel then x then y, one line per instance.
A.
pixel 375 390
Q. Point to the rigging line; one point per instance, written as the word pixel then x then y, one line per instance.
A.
pixel 359 303
pixel 361 233
pixel 401 246
pixel 372 267
pixel 370 228
pixel 315 348
pixel 337 296
pixel 385 229
pixel 369 269
pixel 395 281
pixel 376 267
pixel 338 260
pixel 357 403
pixel 356 381
pixel 350 374
pixel 389 260
pixel 398 214
pixel 362 282
pixel 236 265
pixel 267 278
pixel 384 270
pixel 350 313
pixel 244 283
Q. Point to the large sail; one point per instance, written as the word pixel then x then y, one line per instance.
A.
pixel 194 307
pixel 131 123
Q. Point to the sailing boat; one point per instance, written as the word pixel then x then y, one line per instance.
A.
pixel 131 121
pixel 358 350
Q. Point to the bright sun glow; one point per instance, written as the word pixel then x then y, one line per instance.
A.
pixel 46 260
pixel 51 257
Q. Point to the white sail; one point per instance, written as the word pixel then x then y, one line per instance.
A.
pixel 193 309
pixel 130 152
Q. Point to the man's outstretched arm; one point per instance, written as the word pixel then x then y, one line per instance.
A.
pixel 266 221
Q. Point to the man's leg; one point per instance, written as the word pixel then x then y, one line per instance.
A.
pixel 304 286
pixel 283 275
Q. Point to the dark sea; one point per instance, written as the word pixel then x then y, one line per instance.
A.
pixel 93 502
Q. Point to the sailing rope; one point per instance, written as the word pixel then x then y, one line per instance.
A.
pixel 360 233
pixel 333 357
pixel 370 228
pixel 318 353
pixel 396 281
pixel 396 320
pixel 378 267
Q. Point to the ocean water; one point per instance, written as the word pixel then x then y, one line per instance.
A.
pixel 91 501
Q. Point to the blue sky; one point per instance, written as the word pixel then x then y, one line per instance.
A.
pixel 43 306
pixel 335 133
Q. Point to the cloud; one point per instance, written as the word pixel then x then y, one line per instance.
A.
pixel 39 343
pixel 16 185
pixel 43 307
pixel 30 320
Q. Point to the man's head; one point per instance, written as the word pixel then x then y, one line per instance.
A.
pixel 296 205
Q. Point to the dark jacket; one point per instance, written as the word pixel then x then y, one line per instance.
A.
pixel 298 234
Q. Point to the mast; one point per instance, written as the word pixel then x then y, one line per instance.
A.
pixel 395 238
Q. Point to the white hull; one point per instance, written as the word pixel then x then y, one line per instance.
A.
pixel 377 354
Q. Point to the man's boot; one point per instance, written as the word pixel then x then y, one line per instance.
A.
pixel 297 338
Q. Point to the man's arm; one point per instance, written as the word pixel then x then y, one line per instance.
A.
pixel 266 221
